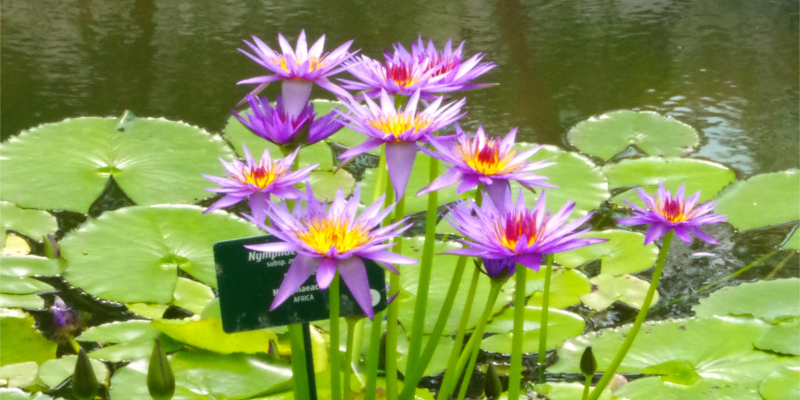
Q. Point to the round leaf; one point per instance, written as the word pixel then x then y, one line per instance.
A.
pixel 20 341
pixel 561 325
pixel 782 338
pixel 30 301
pixel 566 287
pixel 207 334
pixel 18 375
pixel 623 253
pixel 54 372
pixel 325 184
pixel 609 134
pixel 22 285
pixel 762 200
pixel 147 246
pixel 781 384
pixel 609 288
pixel 67 165
pixel 32 223
pixel 119 332
pixel 29 266
pixel 192 295
pixel 763 299
pixel 793 243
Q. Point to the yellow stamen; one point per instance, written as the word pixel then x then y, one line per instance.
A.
pixel 400 123
pixel 261 175
pixel 487 160
pixel 324 233
pixel 314 63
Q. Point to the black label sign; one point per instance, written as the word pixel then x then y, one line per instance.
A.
pixel 249 280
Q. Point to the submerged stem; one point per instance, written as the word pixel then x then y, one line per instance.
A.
pixel 515 373
pixel 543 325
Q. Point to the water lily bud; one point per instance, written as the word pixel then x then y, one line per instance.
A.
pixel 616 381
pixel 84 382
pixel 160 380
pixel 64 317
pixel 51 249
pixel 273 348
pixel 588 362
pixel 492 387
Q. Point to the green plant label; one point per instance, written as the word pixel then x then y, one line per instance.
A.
pixel 249 280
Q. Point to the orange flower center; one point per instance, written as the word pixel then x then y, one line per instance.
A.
pixel 488 159
pixel 510 229
pixel 261 175
pixel 673 210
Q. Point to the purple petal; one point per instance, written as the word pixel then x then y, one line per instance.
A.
pixel 295 96
pixel 656 231
pixel 299 272
pixel 354 275
pixel 497 192
pixel 530 260
pixel 399 160
pixel 702 235
pixel 451 177
pixel 325 272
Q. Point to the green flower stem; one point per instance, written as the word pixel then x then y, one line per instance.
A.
pixel 543 324
pixel 637 324
pixel 380 180
pixel 333 296
pixel 474 345
pixel 358 339
pixel 373 355
pixel 351 324
pixel 515 373
pixel 421 303
pixel 391 315
pixel 299 370
pixel 586 387
pixel 449 374
pixel 413 377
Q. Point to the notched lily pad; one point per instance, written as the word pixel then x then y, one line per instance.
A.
pixel 781 384
pixel 763 299
pixel 18 266
pixel 207 334
pixel 561 325
pixel 18 375
pixel 566 287
pixel 782 338
pixel 32 223
pixel 21 341
pixel 53 372
pixel 763 200
pixel 623 253
pixel 609 288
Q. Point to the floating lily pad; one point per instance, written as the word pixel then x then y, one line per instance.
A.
pixel 716 354
pixel 147 246
pixel 705 176
pixel 192 295
pixel 763 200
pixel 206 375
pixel 15 246
pixel 18 375
pixel 623 253
pixel 781 384
pixel 578 179
pixel 782 337
pixel 147 310
pixel 325 184
pixel 439 360
pixel 609 134
pixel 567 391
pixel 566 287
pixel 29 301
pixel 609 288
pixel 66 165
pixel 20 341
pixel 32 223
pixel 561 325
pixel 763 299
pixel 28 266
pixel 793 243
pixel 119 332
pixel 22 285
pixel 53 372
pixel 16 394
pixel 207 334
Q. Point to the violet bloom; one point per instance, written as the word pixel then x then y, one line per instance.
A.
pixel 665 212
pixel 330 241
pixel 276 126
pixel 64 318
pixel 499 268
pixel 400 129
pixel 256 181
pixel 516 233
pixel 298 68
pixel 490 161
pixel 424 68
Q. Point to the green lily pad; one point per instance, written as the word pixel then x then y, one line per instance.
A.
pixel 15 246
pixel 781 384
pixel 566 287
pixel 782 338
pixel 32 223
pixel 16 394
pixel 137 349
pixel 192 295
pixel 763 299
pixel 609 288
pixel 705 176
pixel 567 391
pixel 21 342
pixel 561 325
pixel 763 200
pixel 623 253
pixel 66 165
pixel 53 372
pixel 420 177
pixel 148 245
pixel 207 334
pixel 119 332
pixel 30 301
pixel 718 349
pixel 206 375
pixel 793 243
pixel 28 266
pixel 438 362
pixel 325 184
pixel 19 375
pixel 22 285
pixel 609 134
pixel 578 179
pixel 212 310
pixel 147 310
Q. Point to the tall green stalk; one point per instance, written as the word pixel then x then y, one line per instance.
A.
pixel 515 372
pixel 543 325
pixel 333 293
pixel 450 374
pixel 351 323
pixel 299 371
pixel 637 324
pixel 391 315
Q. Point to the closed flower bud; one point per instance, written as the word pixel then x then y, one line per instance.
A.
pixel 492 387
pixel 160 380
pixel 84 382
pixel 51 249
pixel 588 362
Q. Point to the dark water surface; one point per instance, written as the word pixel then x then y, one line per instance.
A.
pixel 727 67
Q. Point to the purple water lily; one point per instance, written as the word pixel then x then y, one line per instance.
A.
pixel 298 68
pixel 499 268
pixel 330 241
pixel 400 129
pixel 276 126
pixel 516 233
pixel 424 68
pixel 256 181
pixel 491 161
pixel 64 317
pixel 665 213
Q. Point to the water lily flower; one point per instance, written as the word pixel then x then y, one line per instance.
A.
pixel 298 68
pixel 64 317
pixel 400 129
pixel 330 241
pixel 516 233
pixel 424 68
pixel 665 213
pixel 256 181
pixel 276 126
pixel 491 161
